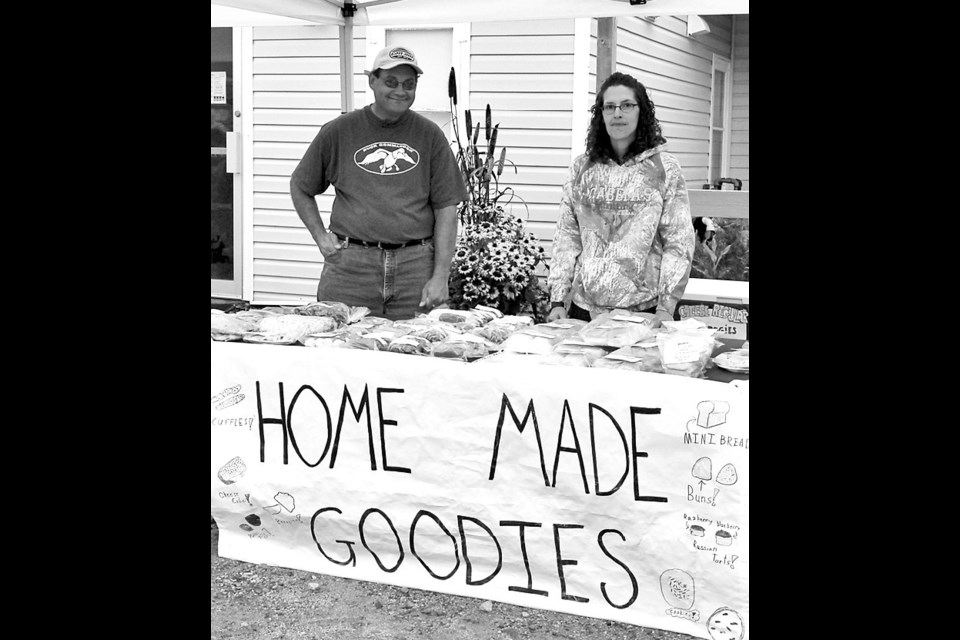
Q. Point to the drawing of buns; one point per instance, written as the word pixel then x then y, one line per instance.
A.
pixel 727 474
pixel 703 468
pixel 725 624
pixel 710 414
pixel 724 538
pixel 677 588
pixel 231 472
pixel 697 530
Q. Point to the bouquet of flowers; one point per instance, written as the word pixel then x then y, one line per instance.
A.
pixel 496 259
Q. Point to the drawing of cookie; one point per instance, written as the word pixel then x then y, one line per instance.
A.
pixel 725 624
pixel 724 538
pixel 727 474
pixel 678 588
pixel 253 519
pixel 697 530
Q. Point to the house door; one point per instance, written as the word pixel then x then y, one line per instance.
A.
pixel 225 277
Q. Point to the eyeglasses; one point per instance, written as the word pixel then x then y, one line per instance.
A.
pixel 626 107
pixel 393 83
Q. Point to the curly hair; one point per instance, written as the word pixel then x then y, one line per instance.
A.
pixel 649 135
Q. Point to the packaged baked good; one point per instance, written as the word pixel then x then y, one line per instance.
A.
pixel 337 310
pixel 411 344
pixel 366 341
pixel 617 328
pixel 501 358
pixel 337 338
pixel 487 314
pixel 573 352
pixel 369 323
pixel 643 356
pixel 503 327
pixel 686 352
pixel 464 346
pixel 261 337
pixel 463 319
pixel 229 326
pixel 295 327
pixel 541 338
pixel 424 326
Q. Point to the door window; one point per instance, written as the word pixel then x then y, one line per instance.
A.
pixel 224 228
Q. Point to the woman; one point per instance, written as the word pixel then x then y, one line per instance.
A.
pixel 625 238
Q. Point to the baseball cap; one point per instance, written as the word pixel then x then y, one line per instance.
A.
pixel 390 57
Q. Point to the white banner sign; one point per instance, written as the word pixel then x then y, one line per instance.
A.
pixel 605 493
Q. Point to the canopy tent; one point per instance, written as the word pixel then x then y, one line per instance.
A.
pixel 239 13
pixel 390 12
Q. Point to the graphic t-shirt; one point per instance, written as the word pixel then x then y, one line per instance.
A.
pixel 388 178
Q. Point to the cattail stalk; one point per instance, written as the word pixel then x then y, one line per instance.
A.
pixel 452 86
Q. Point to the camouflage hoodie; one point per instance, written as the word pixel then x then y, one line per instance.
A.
pixel 625 237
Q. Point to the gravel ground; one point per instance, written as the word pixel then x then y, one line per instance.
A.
pixel 253 602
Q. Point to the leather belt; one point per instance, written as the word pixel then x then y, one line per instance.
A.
pixel 389 246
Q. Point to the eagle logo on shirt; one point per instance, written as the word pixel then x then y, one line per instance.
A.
pixel 387 158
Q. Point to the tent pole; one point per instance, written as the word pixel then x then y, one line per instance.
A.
pixel 606 48
pixel 346 65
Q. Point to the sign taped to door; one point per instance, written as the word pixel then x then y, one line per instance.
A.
pixel 218 87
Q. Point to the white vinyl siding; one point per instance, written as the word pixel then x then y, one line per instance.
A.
pixel 740 134
pixel 296 89
pixel 524 71
pixel 677 72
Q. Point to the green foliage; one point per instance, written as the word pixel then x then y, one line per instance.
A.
pixel 726 256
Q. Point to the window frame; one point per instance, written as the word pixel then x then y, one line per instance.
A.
pixel 723 65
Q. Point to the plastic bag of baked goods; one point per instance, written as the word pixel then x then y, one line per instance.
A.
pixel 618 328
pixel 231 326
pixel 462 346
pixel 423 326
pixel 294 327
pixel 411 344
pixel 643 356
pixel 463 319
pixel 337 310
pixel 337 338
pixel 502 358
pixel 501 328
pixel 685 350
pixel 573 352
pixel 541 338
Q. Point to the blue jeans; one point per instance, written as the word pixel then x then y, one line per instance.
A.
pixel 388 282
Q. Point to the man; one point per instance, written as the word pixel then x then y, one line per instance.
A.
pixel 393 227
